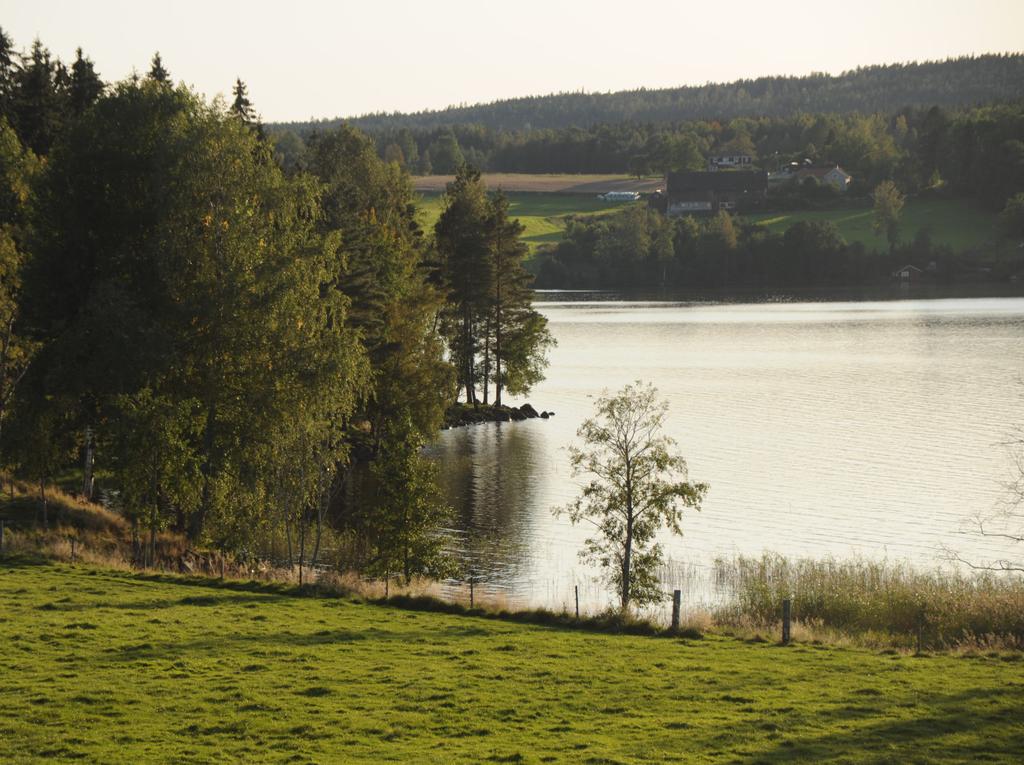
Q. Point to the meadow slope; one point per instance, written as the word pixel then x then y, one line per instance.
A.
pixel 109 666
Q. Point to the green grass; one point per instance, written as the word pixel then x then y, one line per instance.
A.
pixel 106 666
pixel 542 214
pixel 952 222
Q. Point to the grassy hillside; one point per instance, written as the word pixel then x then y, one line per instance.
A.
pixel 953 222
pixel 116 667
pixel 551 183
pixel 543 214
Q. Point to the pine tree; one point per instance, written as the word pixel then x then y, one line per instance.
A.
pixel 519 333
pixel 464 249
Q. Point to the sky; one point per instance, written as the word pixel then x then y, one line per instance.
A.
pixel 320 59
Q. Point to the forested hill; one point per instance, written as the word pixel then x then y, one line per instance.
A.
pixel 885 88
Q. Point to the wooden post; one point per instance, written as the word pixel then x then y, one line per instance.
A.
pixel 471 592
pixel 786 613
pixel 677 601
pixel 577 588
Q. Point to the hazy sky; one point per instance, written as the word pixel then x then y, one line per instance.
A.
pixel 324 59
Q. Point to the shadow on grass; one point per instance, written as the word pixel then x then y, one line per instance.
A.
pixel 613 623
pixel 23 560
pixel 990 716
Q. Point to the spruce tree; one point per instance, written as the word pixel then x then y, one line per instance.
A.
pixel 8 71
pixel 241 107
pixel 86 86
pixel 39 99
pixel 157 73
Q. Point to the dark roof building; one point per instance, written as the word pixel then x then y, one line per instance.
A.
pixel 692 192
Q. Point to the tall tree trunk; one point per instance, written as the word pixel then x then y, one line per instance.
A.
pixel 627 562
pixel 302 546
pixel 87 463
pixel 42 500
pixel 497 358
pixel 288 536
pixel 152 540
pixel 198 519
pixel 487 361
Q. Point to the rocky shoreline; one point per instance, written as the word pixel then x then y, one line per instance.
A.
pixel 459 415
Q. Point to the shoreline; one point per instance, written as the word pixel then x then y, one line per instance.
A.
pixel 460 415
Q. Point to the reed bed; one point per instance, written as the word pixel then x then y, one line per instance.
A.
pixel 879 602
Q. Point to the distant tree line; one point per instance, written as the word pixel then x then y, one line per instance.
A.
pixel 976 152
pixel 641 248
pixel 231 349
pixel 884 88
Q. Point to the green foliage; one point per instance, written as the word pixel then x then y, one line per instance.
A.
pixel 381 267
pixel 157 72
pixel 446 154
pixel 176 263
pixel 636 487
pixel 493 333
pixel 888 204
pixel 905 122
pixel 241 106
pixel 86 86
pixel 1012 216
pixel 404 515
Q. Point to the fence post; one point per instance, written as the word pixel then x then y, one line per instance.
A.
pixel 677 601
pixel 786 613
pixel 471 592
pixel 577 589
pixel 920 632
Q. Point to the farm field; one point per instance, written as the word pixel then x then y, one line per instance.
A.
pixel 548 183
pixel 542 214
pixel 110 666
pixel 951 222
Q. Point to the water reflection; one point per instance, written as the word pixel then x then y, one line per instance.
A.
pixel 824 429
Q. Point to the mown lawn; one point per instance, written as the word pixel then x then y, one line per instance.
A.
pixel 113 667
pixel 952 222
pixel 543 215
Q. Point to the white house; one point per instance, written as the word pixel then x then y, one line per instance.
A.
pixel 730 160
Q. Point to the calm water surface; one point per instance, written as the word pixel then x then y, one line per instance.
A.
pixel 843 428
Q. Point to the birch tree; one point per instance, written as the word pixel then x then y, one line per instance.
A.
pixel 637 485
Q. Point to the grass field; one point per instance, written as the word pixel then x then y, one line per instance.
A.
pixel 952 222
pixel 106 666
pixel 548 183
pixel 543 215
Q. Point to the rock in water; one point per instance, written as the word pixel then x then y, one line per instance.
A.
pixel 529 411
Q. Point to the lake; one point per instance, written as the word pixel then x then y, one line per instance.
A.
pixel 868 428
